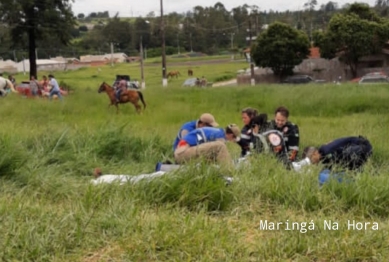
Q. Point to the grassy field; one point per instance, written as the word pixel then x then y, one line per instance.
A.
pixel 50 212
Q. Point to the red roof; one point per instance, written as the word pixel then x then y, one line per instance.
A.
pixel 314 52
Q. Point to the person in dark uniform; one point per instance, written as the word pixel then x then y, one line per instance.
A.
pixel 349 153
pixel 246 133
pixel 290 133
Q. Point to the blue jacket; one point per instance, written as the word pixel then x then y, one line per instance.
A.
pixel 203 135
pixel 190 126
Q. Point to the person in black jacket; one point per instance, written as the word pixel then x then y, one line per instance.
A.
pixel 346 153
pixel 246 133
pixel 290 133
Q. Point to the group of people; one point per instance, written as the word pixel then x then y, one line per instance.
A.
pixel 202 138
pixel 47 87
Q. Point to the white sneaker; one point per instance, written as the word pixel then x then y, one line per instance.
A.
pixel 297 166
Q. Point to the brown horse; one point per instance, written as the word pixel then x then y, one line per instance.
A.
pixel 171 74
pixel 131 96
pixel 190 72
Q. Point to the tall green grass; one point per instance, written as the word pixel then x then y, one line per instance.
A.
pixel 49 211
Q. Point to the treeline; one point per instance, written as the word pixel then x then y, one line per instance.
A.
pixel 211 30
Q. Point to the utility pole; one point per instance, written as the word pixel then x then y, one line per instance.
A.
pixel 190 38
pixel 250 33
pixel 15 59
pixel 178 44
pixel 111 54
pixel 232 46
pixel 143 84
pixel 164 79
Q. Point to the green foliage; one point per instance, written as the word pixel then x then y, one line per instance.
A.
pixel 50 212
pixel 357 33
pixel 281 48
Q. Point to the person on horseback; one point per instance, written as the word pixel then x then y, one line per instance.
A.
pixel 122 86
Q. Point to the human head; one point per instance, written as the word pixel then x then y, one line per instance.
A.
pixel 232 133
pixel 32 77
pixel 97 172
pixel 51 76
pixel 281 116
pixel 258 122
pixel 207 119
pixel 248 113
pixel 9 77
pixel 44 77
pixel 312 153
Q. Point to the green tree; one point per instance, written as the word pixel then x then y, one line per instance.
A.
pixel 281 48
pixel 356 33
pixel 38 19
pixel 118 32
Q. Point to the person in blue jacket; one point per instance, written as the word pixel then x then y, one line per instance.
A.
pixel 205 119
pixel 208 143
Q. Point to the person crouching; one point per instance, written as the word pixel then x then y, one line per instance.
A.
pixel 207 143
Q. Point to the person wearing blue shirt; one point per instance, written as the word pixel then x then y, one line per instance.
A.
pixel 205 119
pixel 54 88
pixel 207 143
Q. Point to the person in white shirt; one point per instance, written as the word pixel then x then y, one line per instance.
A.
pixel 54 88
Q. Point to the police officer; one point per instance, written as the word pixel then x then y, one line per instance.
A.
pixel 290 133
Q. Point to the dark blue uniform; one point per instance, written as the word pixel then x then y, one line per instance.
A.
pixel 347 152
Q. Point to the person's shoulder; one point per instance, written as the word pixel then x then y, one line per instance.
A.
pixel 292 125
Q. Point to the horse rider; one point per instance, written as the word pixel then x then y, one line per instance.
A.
pixel 205 119
pixel 122 86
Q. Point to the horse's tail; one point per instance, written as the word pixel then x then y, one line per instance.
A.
pixel 11 86
pixel 141 99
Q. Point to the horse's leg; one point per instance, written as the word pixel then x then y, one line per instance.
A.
pixel 137 107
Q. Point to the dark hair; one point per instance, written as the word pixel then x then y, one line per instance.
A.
pixel 283 111
pixel 201 122
pixel 51 76
pixel 251 112
pixel 259 120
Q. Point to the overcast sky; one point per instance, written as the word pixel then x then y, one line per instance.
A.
pixel 128 8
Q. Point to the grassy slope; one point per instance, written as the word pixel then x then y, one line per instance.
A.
pixel 49 212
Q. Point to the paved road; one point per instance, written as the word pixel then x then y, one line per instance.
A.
pixel 201 62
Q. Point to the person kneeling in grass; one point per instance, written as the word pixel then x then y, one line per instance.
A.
pixel 347 153
pixel 207 143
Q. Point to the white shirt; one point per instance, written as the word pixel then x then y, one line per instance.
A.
pixel 122 179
